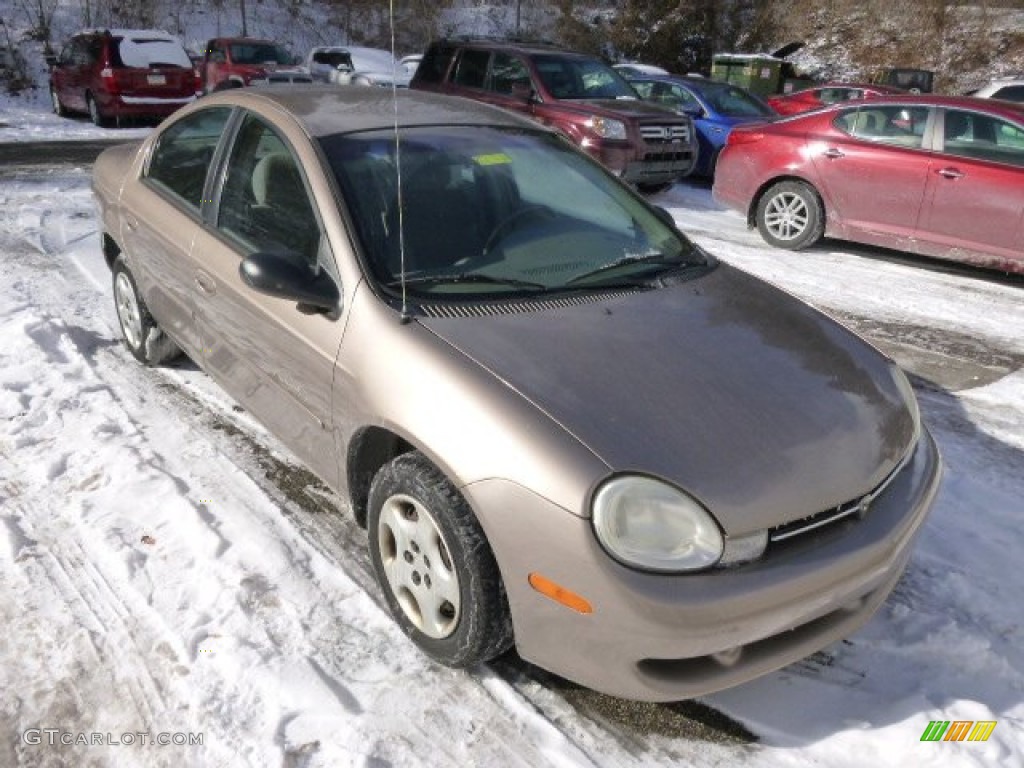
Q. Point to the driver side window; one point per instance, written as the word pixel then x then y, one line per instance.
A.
pixel 264 205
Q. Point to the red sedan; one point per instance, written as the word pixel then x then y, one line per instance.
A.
pixel 936 176
pixel 826 95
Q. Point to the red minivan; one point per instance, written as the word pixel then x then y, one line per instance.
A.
pixel 115 73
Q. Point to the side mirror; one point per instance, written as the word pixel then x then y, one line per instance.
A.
pixel 287 275
pixel 693 110
pixel 51 59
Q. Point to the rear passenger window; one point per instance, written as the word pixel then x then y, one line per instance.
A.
pixel 181 159
pixel 896 125
pixel 471 68
pixel 434 66
pixel 982 137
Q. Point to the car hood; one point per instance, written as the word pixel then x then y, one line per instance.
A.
pixel 633 108
pixel 761 407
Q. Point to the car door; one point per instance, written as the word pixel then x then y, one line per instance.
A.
pixel 975 197
pixel 162 214
pixel 271 355
pixel 874 168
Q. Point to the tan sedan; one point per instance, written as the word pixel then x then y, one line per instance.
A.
pixel 564 424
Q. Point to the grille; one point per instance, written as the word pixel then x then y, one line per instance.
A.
pixel 857 507
pixel 516 307
pixel 665 133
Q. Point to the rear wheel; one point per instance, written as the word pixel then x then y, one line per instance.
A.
pixel 143 337
pixel 790 215
pixel 94 111
pixel 58 108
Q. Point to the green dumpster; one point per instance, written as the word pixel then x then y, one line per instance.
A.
pixel 757 72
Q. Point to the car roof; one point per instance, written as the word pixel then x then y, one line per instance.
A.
pixel 694 80
pixel 841 84
pixel 245 40
pixel 529 47
pixel 1008 109
pixel 325 109
pixel 119 32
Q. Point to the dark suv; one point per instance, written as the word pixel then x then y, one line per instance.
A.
pixel 578 95
pixel 115 73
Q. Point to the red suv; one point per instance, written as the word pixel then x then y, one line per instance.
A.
pixel 117 73
pixel 579 95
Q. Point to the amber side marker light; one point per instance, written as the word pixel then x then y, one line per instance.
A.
pixel 559 594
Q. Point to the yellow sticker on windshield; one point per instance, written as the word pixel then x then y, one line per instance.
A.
pixel 498 158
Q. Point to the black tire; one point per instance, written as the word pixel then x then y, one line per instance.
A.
pixel 714 164
pixel 653 189
pixel 226 85
pixel 790 215
pixel 95 115
pixel 58 108
pixel 142 336
pixel 415 513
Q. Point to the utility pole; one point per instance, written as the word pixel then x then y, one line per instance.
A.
pixel 245 30
pixel 518 8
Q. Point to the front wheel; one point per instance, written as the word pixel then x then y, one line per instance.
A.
pixel 435 566
pixel 790 215
pixel 143 337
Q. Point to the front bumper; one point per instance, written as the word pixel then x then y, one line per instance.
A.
pixel 142 106
pixel 651 165
pixel 669 637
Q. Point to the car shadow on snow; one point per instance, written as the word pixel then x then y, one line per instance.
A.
pixel 941 266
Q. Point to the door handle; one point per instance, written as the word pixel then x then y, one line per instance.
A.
pixel 131 222
pixel 950 173
pixel 205 283
pixel 834 154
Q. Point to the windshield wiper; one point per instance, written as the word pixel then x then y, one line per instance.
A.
pixel 467 277
pixel 657 259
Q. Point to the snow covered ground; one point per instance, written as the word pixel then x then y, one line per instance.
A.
pixel 166 568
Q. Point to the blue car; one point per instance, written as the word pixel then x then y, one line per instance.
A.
pixel 714 106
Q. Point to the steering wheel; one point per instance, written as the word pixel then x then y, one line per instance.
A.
pixel 513 220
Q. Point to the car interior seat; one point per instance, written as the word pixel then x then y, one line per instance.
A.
pixel 440 217
pixel 282 215
pixel 868 124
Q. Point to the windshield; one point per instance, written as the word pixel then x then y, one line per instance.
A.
pixel 259 53
pixel 571 77
pixel 734 102
pixel 488 212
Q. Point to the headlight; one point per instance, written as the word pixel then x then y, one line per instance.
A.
pixel 910 399
pixel 607 128
pixel 648 524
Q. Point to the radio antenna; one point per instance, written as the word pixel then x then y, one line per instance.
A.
pixel 398 163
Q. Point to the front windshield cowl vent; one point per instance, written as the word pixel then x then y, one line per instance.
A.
pixel 486 309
